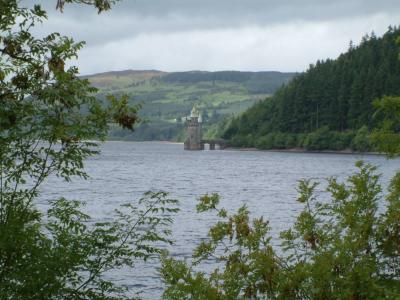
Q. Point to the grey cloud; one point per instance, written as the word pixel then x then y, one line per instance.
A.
pixel 129 18
pixel 182 35
pixel 260 10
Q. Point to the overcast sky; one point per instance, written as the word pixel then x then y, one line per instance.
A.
pixel 254 35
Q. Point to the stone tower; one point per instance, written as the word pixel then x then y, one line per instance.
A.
pixel 193 124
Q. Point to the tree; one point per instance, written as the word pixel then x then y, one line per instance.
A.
pixel 361 141
pixel 386 135
pixel 347 247
pixel 101 5
pixel 48 120
pixel 341 249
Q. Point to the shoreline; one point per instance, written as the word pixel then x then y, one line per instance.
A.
pixel 293 150
pixel 125 141
pixel 301 150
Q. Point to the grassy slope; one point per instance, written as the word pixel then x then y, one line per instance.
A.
pixel 166 99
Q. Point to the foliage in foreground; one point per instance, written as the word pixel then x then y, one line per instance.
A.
pixel 386 136
pixel 48 117
pixel 68 256
pixel 343 248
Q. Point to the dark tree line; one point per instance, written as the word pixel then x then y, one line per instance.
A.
pixel 333 96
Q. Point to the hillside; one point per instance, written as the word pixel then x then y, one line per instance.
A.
pixel 330 106
pixel 166 98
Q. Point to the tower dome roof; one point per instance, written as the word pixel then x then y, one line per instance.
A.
pixel 195 112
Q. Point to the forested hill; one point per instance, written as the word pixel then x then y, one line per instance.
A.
pixel 329 104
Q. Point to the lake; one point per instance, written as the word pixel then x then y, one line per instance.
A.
pixel 265 181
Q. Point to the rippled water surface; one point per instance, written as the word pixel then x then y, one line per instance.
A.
pixel 264 181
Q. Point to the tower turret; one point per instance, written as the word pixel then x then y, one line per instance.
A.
pixel 194 124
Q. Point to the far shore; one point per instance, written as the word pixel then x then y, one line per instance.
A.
pixel 293 150
pixel 165 142
pixel 302 150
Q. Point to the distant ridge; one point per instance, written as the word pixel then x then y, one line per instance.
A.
pixel 116 77
pixel 191 72
pixel 228 76
pixel 256 82
pixel 124 73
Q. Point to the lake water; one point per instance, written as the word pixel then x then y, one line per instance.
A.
pixel 265 181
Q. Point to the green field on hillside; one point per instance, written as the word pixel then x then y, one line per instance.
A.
pixel 167 98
